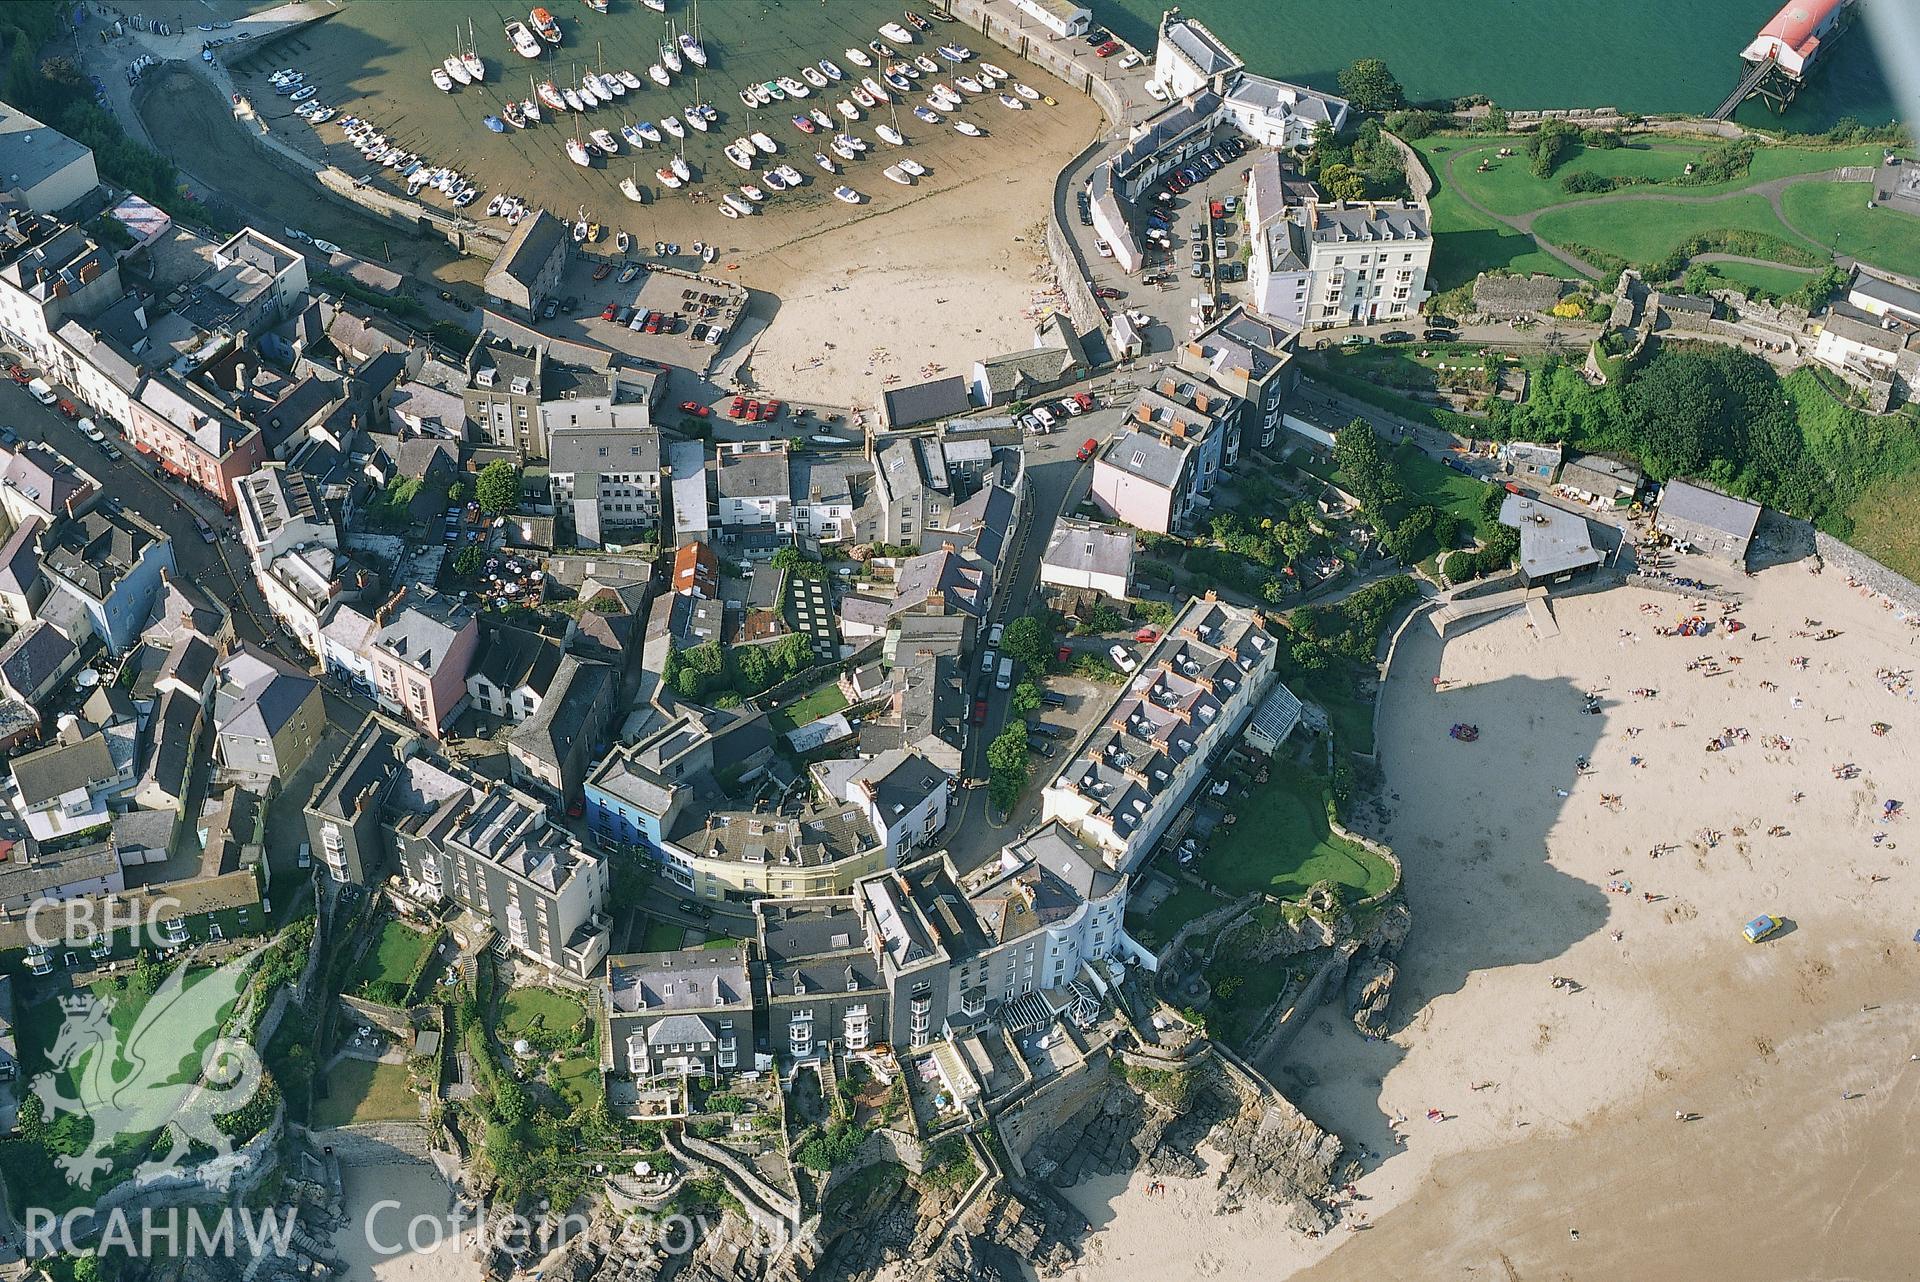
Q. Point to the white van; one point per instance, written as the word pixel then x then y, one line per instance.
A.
pixel 42 392
pixel 1005 679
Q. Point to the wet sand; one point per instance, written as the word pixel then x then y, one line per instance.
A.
pixel 1573 1125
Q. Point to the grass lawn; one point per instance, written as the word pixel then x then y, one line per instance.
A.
pixel 1643 231
pixel 1176 910
pixel 359 1090
pixel 393 956
pixel 1778 281
pixel 1886 523
pixel 1467 243
pixel 578 1079
pixel 1280 843
pixel 819 702
pixel 1247 1004
pixel 1885 238
pixel 719 941
pixel 1439 485
pixel 525 1009
pixel 662 937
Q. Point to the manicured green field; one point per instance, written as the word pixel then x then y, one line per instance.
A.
pixel 1836 215
pixel 662 937
pixel 1280 843
pixel 1467 243
pixel 1644 231
pixel 578 1078
pixel 525 1009
pixel 1173 912
pixel 359 1090
pixel 809 707
pixel 394 955
pixel 1778 281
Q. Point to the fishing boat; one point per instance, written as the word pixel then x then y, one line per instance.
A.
pixel 458 70
pixel 944 98
pixel 831 69
pixel 513 117
pixel 670 52
pixel 793 88
pixel 969 84
pixel 804 125
pixel 825 162
pixel 773 179
pixel 848 194
pixel 577 152
pixel 697 118
pixel 847 110
pixel 695 52
pixel 605 142
pixel 762 143
pixel 854 141
pixel 573 99
pixel 550 94
pixel 897 33
pixel 872 86
pixel 305 92
pixel 673 126
pixel 711 112
pixel 892 135
pixel 601 89
pixel 770 91
pixel 927 114
pixel 631 190
pixel 667 177
pixel 752 193
pixel 736 204
pixel 322 115
pixel 1028 92
pixel 658 74
pixel 857 57
pixel 894 172
pixel 544 24
pixel 991 72
pixel 680 169
pixel 1012 103
pixel 881 50
pixel 741 158
pixel 925 63
pixel 905 70
pixel 611 85
pixel 917 22
pixel 864 98
pixel 442 80
pixel 631 270
pixel 912 166
pixel 968 128
pixel 494 123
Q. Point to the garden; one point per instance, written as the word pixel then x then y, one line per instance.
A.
pixel 360 1090
pixel 1280 843
pixel 392 966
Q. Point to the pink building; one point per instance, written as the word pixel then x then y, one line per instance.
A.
pixel 421 647
pixel 193 437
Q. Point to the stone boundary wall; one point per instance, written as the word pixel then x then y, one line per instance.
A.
pixel 389 1019
pixel 1869 573
pixel 1047 1106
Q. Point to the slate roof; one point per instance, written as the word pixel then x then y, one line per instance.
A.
pixel 258 693
pixel 567 712
pixel 690 979
pixel 33 655
pixel 1688 501
pixel 97 549
pixel 1086 547
pixel 924 402
pixel 52 772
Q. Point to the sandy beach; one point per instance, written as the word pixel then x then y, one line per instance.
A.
pixel 417 1239
pixel 1557 1105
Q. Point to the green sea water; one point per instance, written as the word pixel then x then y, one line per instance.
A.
pixel 1640 55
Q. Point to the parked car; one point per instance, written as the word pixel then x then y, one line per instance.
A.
pixel 607 312
pixel 1108 49
pixel 770 411
pixel 696 409
pixel 9 437
pixel 1147 634
pixel 1102 248
pixel 41 391
pixel 1107 291
pixel 979 712
pixel 1045 416
pixel 1031 425
pixel 694 908
pixel 206 531
pixel 1122 658
pixel 737 407
pixel 1042 746
pixel 986 662
pixel 1072 405
pixel 1084 400
pixel 1097 37
pixel 1087 449
pixel 1053 699
pixel 1396 336
pixel 1355 340
pixel 1049 730
pixel 995 632
pixel 1003 680
pixel 1131 60
pixel 1437 335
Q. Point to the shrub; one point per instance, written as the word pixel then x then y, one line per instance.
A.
pixel 833 1148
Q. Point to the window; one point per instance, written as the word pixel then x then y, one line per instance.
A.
pixel 603 451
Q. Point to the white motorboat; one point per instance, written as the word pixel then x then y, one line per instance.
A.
pixel 648 130
pixel 631 190
pixel 968 128
pixel 305 92
pixel 679 165
pixel 628 79
pixel 793 87
pixel 847 194
pixel 522 38
pixel 791 176
pixel 736 204
pixel 729 211
pixel 992 72
pixel 749 98
pixel 1028 92
pixel 773 179
pixel 912 166
pixel 889 134
pixel 847 110
pixel 825 162
pixel 858 57
pixel 1012 103
pixel 925 63
pixel 854 141
pixel 441 80
pixel 634 138
pixel 577 152
pixel 658 74
pixel 605 142
pixel 762 143
pixel 897 33
pixel 969 84
pixel 573 98
pixel 743 159
pixel 820 118
pixel 673 126
pixel 610 84
pixel 698 119
pixel 814 77
pixel 458 70
pixel 864 98
pixel 752 193
pixel 326 246
pixel 873 87
pixel 667 178
pixel 843 150
pixel 832 70
pixel 894 172
pixel 927 114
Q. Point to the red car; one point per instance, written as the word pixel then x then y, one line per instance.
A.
pixel 1087 449
pixel 695 408
pixel 1176 184
pixel 1107 49
pixel 753 411
pixel 1083 400
pixel 737 407
pixel 1106 291
pixel 608 313
pixel 979 712
pixel 770 411
pixel 1145 635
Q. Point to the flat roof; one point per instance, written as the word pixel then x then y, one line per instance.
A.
pixel 31 151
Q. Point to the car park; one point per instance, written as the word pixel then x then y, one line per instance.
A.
pixel 1053 699
pixel 737 407
pixel 1073 406
pixel 1122 658
pixel 1037 744
pixel 1196 229
pixel 1084 400
pixel 1031 425
pixel 1087 449
pixel 1131 60
pixel 699 332
pixel 1108 49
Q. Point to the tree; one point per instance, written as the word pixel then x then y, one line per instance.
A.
pixel 457 492
pixel 1342 183
pixel 751 666
pixel 1028 641
pixel 791 653
pixel 468 563
pixel 1026 699
pixel 1370 86
pixel 1552 143
pixel 1366 470
pixel 498 487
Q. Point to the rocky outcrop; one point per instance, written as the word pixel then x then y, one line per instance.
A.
pixel 1276 1155
pixel 1369 989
